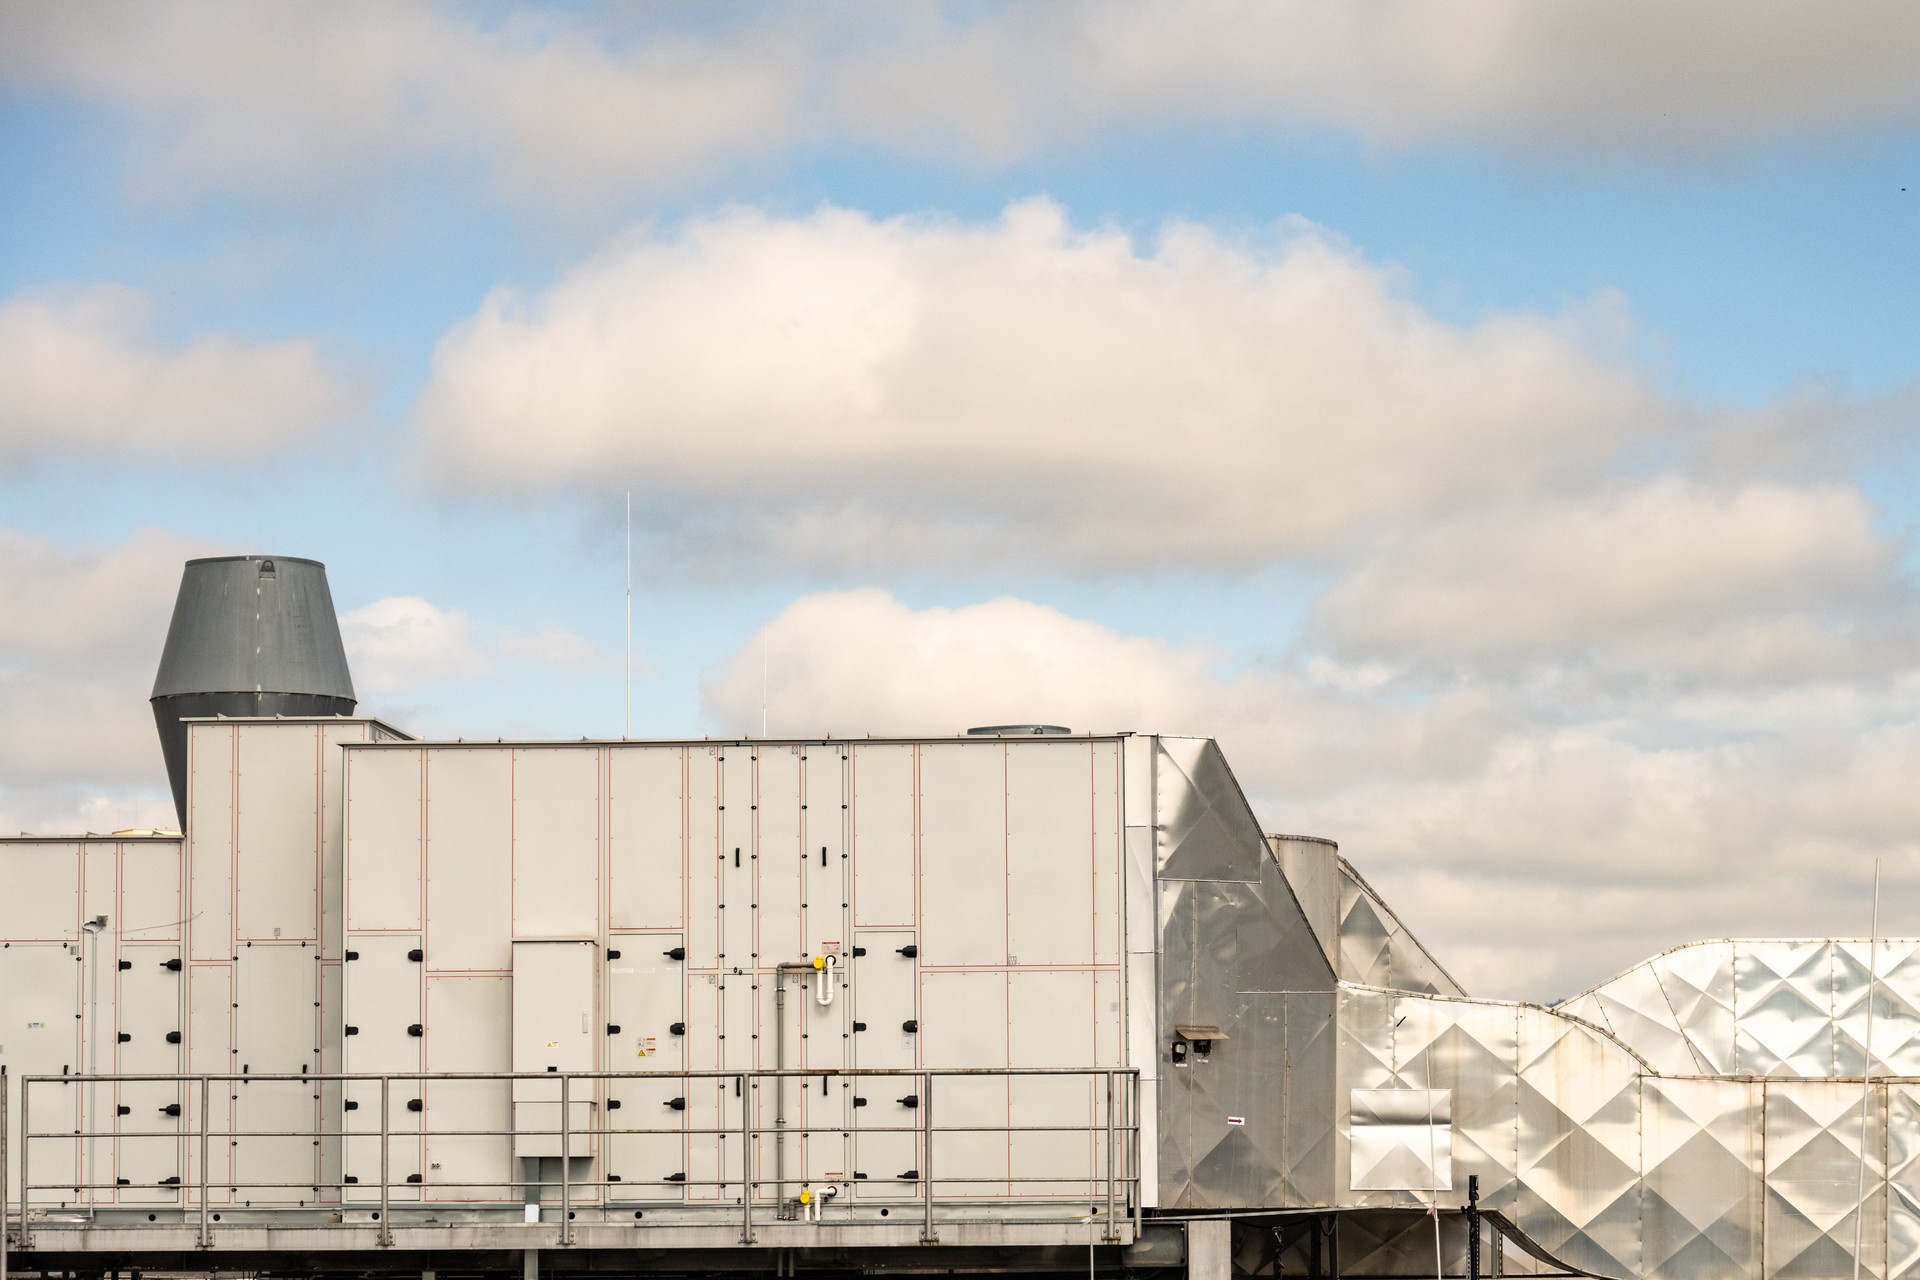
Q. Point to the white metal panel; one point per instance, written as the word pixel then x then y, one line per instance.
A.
pixel 556 1028
pixel 151 1004
pixel 1052 864
pixel 471 1018
pixel 886 995
pixel 1108 837
pixel 276 1001
pixel 703 879
pixel 556 842
pixel 963 852
pixel 646 996
pixel 42 898
pixel 825 879
pixel 781 855
pixel 100 880
pixel 277 831
pixel 333 1004
pixel 883 834
pixel 383 838
pixel 383 1005
pixel 39 993
pixel 1051 1022
pixel 470 860
pixel 966 1026
pixel 739 798
pixel 210 1050
pixel 150 892
pixel 646 794
pixel 333 810
pixel 210 829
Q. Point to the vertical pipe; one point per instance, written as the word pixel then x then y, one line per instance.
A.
pixel 386 1213
pixel 4 1117
pixel 206 1111
pixel 26 1173
pixel 1866 1080
pixel 746 1159
pixel 926 1158
pixel 1473 1226
pixel 779 1091
pixel 566 1154
pixel 629 729
pixel 1110 1157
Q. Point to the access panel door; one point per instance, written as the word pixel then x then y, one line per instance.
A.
pixel 646 1001
pixel 884 980
pixel 152 1009
pixel 384 1032
pixel 555 990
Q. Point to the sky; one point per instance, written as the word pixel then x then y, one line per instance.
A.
pixel 1495 424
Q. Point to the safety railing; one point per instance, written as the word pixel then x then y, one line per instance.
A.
pixel 1071 1147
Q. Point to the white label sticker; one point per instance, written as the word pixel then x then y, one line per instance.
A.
pixel 1236 1119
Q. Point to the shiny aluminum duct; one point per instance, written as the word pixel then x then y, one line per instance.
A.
pixel 251 636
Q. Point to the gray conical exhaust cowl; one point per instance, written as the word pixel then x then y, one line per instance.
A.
pixel 251 636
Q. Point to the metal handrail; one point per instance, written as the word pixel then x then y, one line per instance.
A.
pixel 1119 1120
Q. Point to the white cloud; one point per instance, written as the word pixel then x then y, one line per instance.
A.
pixel 1573 80
pixel 81 631
pixel 1494 825
pixel 296 98
pixel 1763 581
pixel 83 373
pixel 837 387
pixel 589 104
pixel 403 643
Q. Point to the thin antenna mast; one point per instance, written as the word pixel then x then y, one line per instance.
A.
pixel 766 641
pixel 1866 1078
pixel 629 730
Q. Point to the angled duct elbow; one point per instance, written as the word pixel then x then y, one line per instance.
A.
pixel 251 636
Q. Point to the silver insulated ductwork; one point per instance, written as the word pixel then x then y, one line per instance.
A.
pixel 251 636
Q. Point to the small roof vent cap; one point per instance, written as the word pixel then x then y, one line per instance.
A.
pixel 1018 731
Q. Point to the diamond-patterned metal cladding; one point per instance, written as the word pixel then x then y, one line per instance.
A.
pixel 1618 1170
pixel 1700 1206
pixel 1774 1008
pixel 1814 1183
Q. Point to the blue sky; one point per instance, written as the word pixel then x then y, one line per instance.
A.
pixel 1500 436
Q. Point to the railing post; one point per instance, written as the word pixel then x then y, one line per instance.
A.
pixel 386 1209
pixel 1111 1234
pixel 206 1112
pixel 926 1157
pixel 746 1160
pixel 5 1170
pixel 1134 1177
pixel 566 1158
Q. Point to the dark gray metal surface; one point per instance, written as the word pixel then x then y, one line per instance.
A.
pixel 250 636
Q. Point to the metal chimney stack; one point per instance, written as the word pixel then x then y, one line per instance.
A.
pixel 251 636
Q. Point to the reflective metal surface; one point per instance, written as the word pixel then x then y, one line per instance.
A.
pixel 1773 1008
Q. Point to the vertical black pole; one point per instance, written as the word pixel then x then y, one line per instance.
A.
pixel 1473 1226
pixel 1317 1229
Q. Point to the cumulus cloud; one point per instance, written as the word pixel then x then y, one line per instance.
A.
pixel 296 98
pixel 82 372
pixel 842 387
pixel 404 643
pixel 1761 581
pixel 81 630
pixel 1635 78
pixel 1479 811
pixel 584 104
